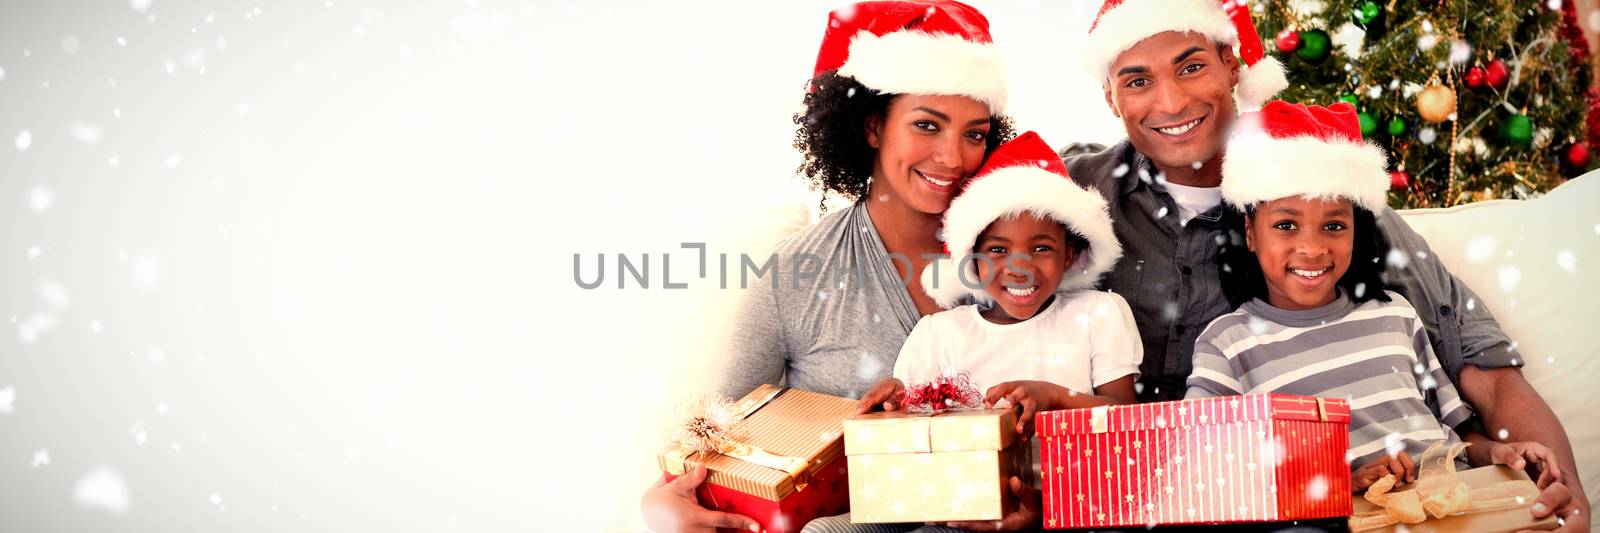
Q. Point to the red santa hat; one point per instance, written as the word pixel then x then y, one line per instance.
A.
pixel 1298 150
pixel 930 47
pixel 1023 174
pixel 1121 24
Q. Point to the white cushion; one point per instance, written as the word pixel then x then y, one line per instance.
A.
pixel 1532 262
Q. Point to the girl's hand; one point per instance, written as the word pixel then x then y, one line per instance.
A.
pixel 1028 516
pixel 1399 465
pixel 881 396
pixel 1518 454
pixel 1033 396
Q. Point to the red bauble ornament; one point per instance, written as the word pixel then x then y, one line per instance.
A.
pixel 1497 75
pixel 1578 155
pixel 1288 40
pixel 1474 77
pixel 1399 180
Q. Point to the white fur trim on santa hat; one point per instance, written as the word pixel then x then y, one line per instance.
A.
pixel 1259 83
pixel 915 62
pixel 1258 168
pixel 1009 192
pixel 1136 20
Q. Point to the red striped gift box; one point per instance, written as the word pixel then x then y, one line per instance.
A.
pixel 1252 458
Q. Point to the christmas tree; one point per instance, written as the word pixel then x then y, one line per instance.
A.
pixel 1473 99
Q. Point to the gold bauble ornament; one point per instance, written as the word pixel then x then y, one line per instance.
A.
pixel 1436 102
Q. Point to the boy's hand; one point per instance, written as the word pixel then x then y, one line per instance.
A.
pixel 1028 515
pixel 1518 454
pixel 1399 464
pixel 1033 396
pixel 881 396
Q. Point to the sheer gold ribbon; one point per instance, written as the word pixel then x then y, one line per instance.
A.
pixel 1438 492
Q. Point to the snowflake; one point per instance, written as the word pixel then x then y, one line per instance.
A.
pixel 1481 247
pixel 1460 52
pixel 1567 261
pixel 138 433
pixel 1509 276
pixel 104 488
pixel 40 458
pixel 24 140
pixel 1427 135
pixel 1257 325
pixel 1393 443
pixel 40 199
pixel 86 133
pixel 8 397
pixel 1318 489
pixel 1397 258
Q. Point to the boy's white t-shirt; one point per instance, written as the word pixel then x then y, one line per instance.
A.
pixel 1084 339
pixel 1193 200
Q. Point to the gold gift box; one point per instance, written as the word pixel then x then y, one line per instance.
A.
pixel 947 467
pixel 799 426
pixel 1503 519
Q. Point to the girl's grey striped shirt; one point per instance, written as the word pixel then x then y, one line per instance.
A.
pixel 1376 355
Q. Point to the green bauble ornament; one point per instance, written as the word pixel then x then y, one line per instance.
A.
pixel 1350 99
pixel 1314 46
pixel 1397 127
pixel 1365 14
pixel 1517 130
pixel 1368 124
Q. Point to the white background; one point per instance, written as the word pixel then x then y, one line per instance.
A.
pixel 308 265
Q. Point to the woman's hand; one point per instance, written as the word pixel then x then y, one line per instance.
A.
pixel 881 396
pixel 1398 464
pixel 670 506
pixel 1029 514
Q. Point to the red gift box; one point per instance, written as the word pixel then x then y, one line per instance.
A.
pixel 790 424
pixel 1253 458
pixel 827 494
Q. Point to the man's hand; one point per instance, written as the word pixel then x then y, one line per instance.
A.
pixel 1568 509
pixel 1518 454
pixel 1507 402
pixel 881 396
pixel 1029 513
pixel 670 507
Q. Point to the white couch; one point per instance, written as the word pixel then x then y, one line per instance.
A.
pixel 1531 261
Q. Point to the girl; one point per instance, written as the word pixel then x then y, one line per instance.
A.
pixel 1313 317
pixel 1030 246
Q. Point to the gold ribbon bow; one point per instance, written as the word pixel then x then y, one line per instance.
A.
pixel 1439 493
pixel 728 437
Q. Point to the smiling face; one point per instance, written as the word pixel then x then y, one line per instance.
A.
pixel 927 147
pixel 1304 247
pixel 1026 257
pixel 1174 94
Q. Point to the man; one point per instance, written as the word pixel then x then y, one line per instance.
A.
pixel 1171 75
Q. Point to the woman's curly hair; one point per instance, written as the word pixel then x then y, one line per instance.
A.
pixel 832 134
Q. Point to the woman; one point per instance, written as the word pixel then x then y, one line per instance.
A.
pixel 905 101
